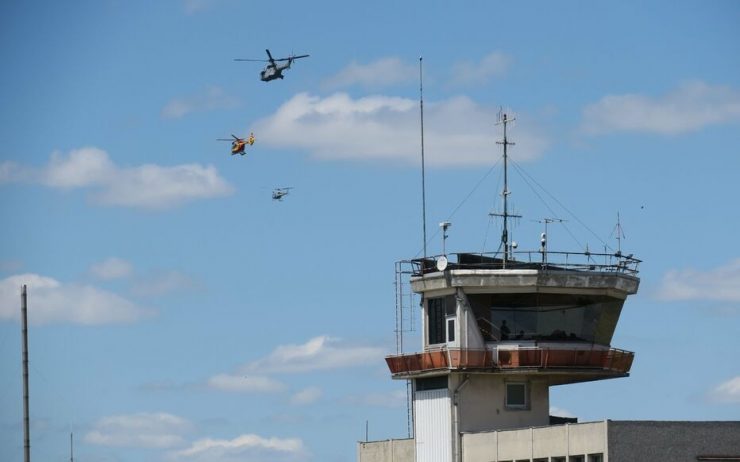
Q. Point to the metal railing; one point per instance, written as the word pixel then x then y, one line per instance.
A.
pixel 551 358
pixel 534 259
pixel 611 359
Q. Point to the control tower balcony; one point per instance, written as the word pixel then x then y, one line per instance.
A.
pixel 559 364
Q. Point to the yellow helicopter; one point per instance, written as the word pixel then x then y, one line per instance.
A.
pixel 238 145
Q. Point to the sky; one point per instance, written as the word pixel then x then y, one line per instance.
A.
pixel 179 314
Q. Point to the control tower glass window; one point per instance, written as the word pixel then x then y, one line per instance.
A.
pixel 546 317
pixel 439 311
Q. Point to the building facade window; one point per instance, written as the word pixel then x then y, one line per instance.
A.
pixel 440 311
pixel 517 395
pixel 431 383
pixel 450 330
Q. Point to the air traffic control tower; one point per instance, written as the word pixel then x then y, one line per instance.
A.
pixel 498 330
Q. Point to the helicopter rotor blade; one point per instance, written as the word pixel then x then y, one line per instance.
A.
pixel 269 55
pixel 255 60
pixel 291 58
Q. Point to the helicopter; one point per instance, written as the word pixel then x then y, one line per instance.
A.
pixel 238 145
pixel 274 70
pixel 279 193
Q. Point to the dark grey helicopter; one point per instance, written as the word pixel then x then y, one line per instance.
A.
pixel 279 193
pixel 274 70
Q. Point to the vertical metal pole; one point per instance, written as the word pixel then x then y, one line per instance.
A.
pixel 395 287
pixel 409 410
pixel 423 174
pixel 505 235
pixel 399 294
pixel 71 448
pixel 26 427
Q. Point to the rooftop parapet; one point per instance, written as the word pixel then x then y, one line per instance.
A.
pixel 531 259
pixel 614 275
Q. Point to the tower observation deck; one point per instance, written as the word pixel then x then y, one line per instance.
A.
pixel 499 329
pixel 551 320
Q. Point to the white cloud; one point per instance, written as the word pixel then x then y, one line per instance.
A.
pixel 391 399
pixel 82 167
pixel 146 186
pixel 245 448
pixel 210 99
pixel 245 383
pixel 163 283
pixel 195 6
pixel 12 172
pixel 306 396
pixel 457 131
pixel 556 411
pixel 111 268
pixel 724 310
pixel 165 385
pixel 721 283
pixel 155 284
pixel 143 430
pixel 383 72
pixel 155 187
pixel 494 64
pixel 319 353
pixel 8 171
pixel 51 301
pixel 690 107
pixel 727 392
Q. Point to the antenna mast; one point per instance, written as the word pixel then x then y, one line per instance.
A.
pixel 620 234
pixel 26 426
pixel 423 176
pixel 503 119
pixel 544 237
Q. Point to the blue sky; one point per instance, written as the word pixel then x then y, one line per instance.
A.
pixel 179 314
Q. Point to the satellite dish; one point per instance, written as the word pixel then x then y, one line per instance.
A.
pixel 442 263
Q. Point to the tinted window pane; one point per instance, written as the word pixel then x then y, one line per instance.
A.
pixel 516 395
pixel 431 383
pixel 436 329
pixel 546 316
pixel 439 309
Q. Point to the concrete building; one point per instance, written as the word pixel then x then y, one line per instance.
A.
pixel 498 330
pixel 612 441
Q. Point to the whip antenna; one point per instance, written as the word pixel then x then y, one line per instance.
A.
pixel 423 175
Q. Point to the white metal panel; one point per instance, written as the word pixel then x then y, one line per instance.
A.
pixel 432 426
